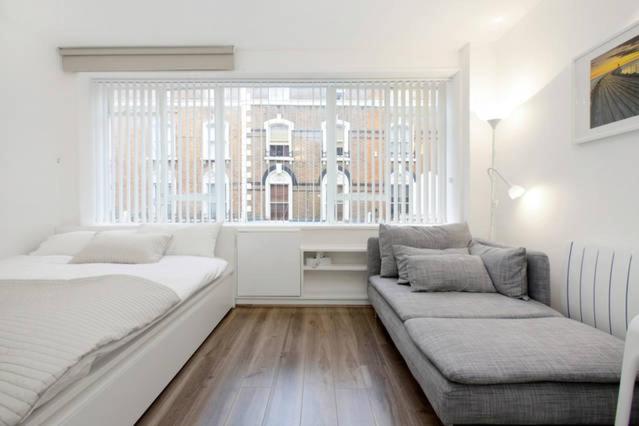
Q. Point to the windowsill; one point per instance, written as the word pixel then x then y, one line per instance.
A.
pixel 303 226
pixel 245 227
pixel 255 225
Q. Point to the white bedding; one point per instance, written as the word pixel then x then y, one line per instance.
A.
pixel 49 327
pixel 183 274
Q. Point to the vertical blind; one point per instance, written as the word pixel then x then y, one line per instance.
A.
pixel 249 151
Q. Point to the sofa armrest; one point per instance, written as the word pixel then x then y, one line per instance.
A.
pixel 374 259
pixel 538 271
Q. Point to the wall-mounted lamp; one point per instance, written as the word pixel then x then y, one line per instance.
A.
pixel 514 191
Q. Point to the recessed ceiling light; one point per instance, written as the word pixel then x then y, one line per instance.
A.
pixel 498 19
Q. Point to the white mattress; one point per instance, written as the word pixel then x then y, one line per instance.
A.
pixel 185 275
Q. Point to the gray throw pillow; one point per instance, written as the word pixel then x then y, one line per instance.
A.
pixel 449 272
pixel 455 235
pixel 403 252
pixel 506 267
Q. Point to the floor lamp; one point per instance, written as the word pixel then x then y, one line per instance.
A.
pixel 514 191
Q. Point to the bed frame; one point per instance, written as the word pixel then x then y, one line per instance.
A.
pixel 121 390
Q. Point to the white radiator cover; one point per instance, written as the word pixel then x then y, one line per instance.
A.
pixel 601 287
pixel 268 263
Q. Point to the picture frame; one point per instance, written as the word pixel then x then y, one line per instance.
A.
pixel 604 99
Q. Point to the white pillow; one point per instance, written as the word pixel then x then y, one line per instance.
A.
pixel 67 244
pixel 123 247
pixel 189 240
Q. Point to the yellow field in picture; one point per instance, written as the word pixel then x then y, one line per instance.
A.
pixel 614 84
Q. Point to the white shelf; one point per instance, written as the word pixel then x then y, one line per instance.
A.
pixel 344 279
pixel 336 267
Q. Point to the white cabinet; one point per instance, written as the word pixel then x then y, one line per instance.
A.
pixel 268 263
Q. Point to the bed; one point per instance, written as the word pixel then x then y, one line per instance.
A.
pixel 117 382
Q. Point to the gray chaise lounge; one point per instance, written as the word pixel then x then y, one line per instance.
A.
pixel 484 358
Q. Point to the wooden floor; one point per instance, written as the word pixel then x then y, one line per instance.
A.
pixel 294 366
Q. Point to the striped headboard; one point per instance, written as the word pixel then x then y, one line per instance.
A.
pixel 602 287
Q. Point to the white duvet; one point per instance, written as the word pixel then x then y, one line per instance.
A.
pixel 57 318
pixel 183 274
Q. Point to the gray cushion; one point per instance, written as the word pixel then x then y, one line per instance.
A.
pixel 408 304
pixel 433 237
pixel 449 272
pixel 494 351
pixel 506 267
pixel 403 252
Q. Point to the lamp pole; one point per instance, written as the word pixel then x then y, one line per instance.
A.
pixel 493 200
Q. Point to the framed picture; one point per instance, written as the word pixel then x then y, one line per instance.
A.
pixel 606 88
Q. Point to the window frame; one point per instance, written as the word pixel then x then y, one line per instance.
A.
pixel 331 164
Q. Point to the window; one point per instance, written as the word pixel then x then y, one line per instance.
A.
pixel 209 198
pixel 302 152
pixel 279 193
pixel 156 145
pixel 208 141
pixel 342 128
pixel 342 205
pixel 401 140
pixel 279 136
pixel 162 198
pixel 402 195
pixel 279 94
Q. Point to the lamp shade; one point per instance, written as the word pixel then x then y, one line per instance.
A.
pixel 516 191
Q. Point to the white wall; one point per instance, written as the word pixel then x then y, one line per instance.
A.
pixel 37 138
pixel 43 113
pixel 582 192
pixel 45 116
pixel 483 99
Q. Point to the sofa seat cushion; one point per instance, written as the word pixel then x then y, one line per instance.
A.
pixel 500 351
pixel 408 304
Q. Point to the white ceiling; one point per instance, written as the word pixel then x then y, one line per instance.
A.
pixel 271 24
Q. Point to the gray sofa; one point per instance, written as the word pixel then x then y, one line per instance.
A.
pixel 484 358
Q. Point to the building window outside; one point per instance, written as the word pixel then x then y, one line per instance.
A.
pixel 208 140
pixel 401 138
pixel 342 204
pixel 279 194
pixel 403 194
pixel 342 131
pixel 209 196
pixel 279 137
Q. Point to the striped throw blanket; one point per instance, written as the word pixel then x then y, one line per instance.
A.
pixel 49 326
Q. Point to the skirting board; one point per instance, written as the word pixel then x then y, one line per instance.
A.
pixel 299 301
pixel 121 390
